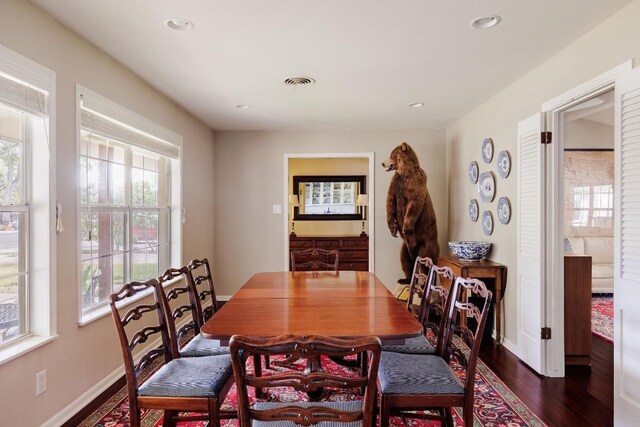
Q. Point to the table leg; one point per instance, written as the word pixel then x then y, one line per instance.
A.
pixel 314 365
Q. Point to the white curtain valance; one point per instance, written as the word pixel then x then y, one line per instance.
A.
pixel 23 97
pixel 101 125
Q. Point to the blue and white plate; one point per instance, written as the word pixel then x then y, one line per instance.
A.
pixel 473 210
pixel 487 150
pixel 473 172
pixel 487 223
pixel 486 186
pixel 504 210
pixel 504 164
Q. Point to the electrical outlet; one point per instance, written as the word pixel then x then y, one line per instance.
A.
pixel 41 382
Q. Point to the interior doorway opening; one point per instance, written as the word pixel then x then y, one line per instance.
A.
pixel 587 181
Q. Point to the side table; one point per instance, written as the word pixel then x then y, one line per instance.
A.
pixel 483 269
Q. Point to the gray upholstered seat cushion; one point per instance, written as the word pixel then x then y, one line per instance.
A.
pixel 200 346
pixel 416 345
pixel 352 406
pixel 401 373
pixel 189 377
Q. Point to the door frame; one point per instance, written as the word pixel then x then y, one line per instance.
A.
pixel 370 190
pixel 554 253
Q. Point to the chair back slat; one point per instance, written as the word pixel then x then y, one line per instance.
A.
pixel 467 319
pixel 315 259
pixel 205 288
pixel 181 302
pixel 437 304
pixel 143 315
pixel 310 349
pixel 418 287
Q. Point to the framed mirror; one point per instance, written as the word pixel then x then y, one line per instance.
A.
pixel 328 197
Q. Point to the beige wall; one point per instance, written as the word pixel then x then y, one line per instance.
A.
pixel 249 174
pixel 606 46
pixel 83 356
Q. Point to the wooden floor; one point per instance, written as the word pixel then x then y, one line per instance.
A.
pixel 584 397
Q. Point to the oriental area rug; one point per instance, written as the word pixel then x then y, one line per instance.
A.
pixel 602 317
pixel 496 405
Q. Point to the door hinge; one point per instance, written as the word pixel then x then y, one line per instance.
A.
pixel 545 333
pixel 545 137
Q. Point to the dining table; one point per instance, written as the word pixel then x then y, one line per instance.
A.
pixel 342 304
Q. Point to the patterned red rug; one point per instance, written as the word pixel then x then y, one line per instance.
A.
pixel 602 317
pixel 496 405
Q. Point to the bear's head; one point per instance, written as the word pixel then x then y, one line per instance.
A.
pixel 402 159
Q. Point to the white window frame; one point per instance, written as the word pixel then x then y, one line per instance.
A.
pixel 41 173
pixel 110 109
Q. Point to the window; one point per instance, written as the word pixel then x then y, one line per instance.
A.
pixel 593 206
pixel 129 187
pixel 27 281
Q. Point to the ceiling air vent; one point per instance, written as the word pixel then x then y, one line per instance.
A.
pixel 299 81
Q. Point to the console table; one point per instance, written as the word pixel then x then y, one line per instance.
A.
pixel 353 250
pixel 483 270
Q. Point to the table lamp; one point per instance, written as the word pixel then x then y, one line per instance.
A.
pixel 363 201
pixel 293 203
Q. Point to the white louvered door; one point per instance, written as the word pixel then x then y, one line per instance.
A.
pixel 627 252
pixel 531 184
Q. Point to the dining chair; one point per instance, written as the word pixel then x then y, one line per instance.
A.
pixel 428 299
pixel 206 291
pixel 309 348
pixel 184 316
pixel 314 259
pixel 417 382
pixel 160 380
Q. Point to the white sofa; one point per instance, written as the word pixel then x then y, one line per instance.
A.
pixel 601 251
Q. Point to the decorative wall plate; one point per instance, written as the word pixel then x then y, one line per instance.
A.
pixel 487 150
pixel 473 210
pixel 504 164
pixel 473 172
pixel 486 186
pixel 504 210
pixel 487 223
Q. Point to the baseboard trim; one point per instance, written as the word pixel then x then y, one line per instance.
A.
pixel 509 345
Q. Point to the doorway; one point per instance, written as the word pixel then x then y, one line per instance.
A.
pixel 342 162
pixel 587 139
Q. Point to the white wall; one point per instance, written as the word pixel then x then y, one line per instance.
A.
pixel 249 177
pixel 587 134
pixel 606 46
pixel 82 356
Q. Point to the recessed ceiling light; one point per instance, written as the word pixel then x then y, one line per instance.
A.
pixel 243 106
pixel 416 104
pixel 179 24
pixel 484 22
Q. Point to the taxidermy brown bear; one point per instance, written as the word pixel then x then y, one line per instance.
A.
pixel 410 210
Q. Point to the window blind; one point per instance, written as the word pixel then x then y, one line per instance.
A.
pixel 23 97
pixel 101 125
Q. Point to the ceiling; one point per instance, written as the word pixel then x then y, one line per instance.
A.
pixel 370 58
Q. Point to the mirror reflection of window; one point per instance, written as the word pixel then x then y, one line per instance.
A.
pixel 328 197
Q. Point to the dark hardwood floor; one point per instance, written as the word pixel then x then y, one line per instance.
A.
pixel 584 397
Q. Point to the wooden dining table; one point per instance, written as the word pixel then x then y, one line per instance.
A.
pixel 343 304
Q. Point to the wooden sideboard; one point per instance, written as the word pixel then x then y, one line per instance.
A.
pixel 353 250
pixel 577 309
